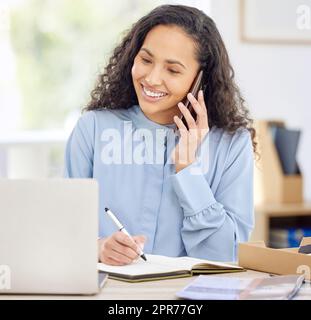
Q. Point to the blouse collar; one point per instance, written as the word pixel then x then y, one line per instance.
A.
pixel 141 121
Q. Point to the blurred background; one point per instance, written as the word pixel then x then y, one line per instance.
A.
pixel 51 52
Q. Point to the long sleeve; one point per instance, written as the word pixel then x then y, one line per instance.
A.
pixel 80 149
pixel 216 221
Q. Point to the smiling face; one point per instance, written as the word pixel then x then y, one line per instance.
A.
pixel 163 72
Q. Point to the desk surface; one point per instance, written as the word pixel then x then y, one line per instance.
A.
pixel 151 290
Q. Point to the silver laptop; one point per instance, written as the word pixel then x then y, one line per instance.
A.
pixel 48 236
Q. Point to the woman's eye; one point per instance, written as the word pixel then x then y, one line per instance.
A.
pixel 146 60
pixel 173 71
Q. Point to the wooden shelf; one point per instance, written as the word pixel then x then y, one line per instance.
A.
pixel 263 213
pixel 285 209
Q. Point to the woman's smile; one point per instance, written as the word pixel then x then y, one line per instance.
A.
pixel 151 95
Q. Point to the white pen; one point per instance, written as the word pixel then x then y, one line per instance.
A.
pixel 122 229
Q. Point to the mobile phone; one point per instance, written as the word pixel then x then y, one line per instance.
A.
pixel 195 87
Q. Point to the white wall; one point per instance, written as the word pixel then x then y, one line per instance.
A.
pixel 274 79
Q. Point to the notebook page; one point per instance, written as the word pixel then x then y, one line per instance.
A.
pixel 159 264
pixel 195 261
pixel 154 264
pixel 187 263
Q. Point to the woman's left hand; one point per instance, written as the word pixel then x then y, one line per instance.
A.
pixel 186 148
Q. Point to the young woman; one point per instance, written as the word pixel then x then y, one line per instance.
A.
pixel 148 163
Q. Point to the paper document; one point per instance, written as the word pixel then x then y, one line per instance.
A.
pixel 234 288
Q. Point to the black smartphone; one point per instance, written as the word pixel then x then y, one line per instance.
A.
pixel 195 87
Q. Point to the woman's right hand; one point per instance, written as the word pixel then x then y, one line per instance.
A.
pixel 119 249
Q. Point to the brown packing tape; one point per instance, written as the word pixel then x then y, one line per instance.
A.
pixel 274 260
pixel 258 243
pixel 290 249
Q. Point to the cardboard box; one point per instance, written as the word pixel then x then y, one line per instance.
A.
pixel 270 184
pixel 256 256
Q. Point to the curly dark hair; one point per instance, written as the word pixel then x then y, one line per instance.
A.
pixel 226 106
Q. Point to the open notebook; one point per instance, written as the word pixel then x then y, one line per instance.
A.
pixel 161 267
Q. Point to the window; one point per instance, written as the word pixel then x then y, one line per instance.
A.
pixel 52 53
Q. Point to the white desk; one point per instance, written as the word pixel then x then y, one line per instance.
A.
pixel 151 290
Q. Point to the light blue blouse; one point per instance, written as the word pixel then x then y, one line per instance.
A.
pixel 201 211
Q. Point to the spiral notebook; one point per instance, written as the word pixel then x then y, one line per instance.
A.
pixel 162 267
